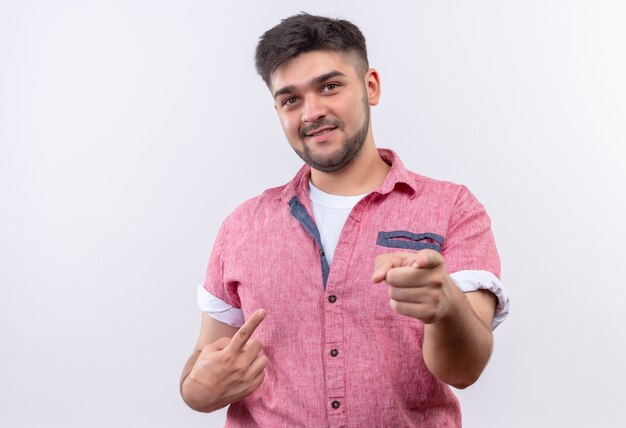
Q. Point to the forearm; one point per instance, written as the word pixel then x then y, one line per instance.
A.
pixel 457 347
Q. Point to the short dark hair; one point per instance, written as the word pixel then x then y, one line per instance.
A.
pixel 304 33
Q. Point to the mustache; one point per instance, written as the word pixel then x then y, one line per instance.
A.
pixel 335 123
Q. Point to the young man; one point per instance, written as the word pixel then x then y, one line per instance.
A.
pixel 366 289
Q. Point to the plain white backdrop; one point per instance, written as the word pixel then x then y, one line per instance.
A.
pixel 130 129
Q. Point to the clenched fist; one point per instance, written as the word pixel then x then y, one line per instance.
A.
pixel 419 285
pixel 228 369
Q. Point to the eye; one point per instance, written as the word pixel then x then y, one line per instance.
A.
pixel 289 101
pixel 330 87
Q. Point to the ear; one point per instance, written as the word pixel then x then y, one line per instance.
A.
pixel 372 84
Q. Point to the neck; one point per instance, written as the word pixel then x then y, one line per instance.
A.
pixel 365 174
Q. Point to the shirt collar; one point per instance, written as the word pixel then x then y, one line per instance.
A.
pixel 397 177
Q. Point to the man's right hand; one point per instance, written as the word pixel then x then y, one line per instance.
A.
pixel 227 370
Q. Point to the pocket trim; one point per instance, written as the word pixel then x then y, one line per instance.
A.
pixel 390 240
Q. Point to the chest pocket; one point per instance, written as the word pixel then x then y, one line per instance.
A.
pixel 408 240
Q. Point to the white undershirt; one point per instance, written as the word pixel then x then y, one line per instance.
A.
pixel 330 213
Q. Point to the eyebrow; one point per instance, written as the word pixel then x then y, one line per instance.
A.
pixel 315 81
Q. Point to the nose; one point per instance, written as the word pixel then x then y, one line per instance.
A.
pixel 313 109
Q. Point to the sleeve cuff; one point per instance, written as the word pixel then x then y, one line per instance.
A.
pixel 219 309
pixel 472 280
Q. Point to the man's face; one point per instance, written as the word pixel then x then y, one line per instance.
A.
pixel 323 106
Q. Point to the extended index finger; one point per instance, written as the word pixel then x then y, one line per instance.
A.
pixel 245 331
pixel 384 262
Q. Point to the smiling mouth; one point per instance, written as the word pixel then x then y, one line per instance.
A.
pixel 320 132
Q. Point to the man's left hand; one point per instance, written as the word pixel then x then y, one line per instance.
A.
pixel 419 285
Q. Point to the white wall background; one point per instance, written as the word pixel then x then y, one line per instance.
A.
pixel 130 129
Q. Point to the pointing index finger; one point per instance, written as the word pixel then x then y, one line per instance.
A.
pixel 384 262
pixel 242 336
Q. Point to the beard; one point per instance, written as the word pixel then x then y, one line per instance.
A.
pixel 344 155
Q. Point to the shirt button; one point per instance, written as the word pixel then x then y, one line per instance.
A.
pixel 332 298
pixel 335 404
pixel 321 253
pixel 334 352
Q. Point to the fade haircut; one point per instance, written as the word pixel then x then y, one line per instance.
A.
pixel 304 33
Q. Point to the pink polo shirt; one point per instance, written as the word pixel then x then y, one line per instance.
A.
pixel 339 355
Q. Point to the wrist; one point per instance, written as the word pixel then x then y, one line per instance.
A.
pixel 197 396
pixel 457 304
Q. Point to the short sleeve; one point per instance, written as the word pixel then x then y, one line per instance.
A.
pixel 469 242
pixel 214 281
pixel 472 280
pixel 219 309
